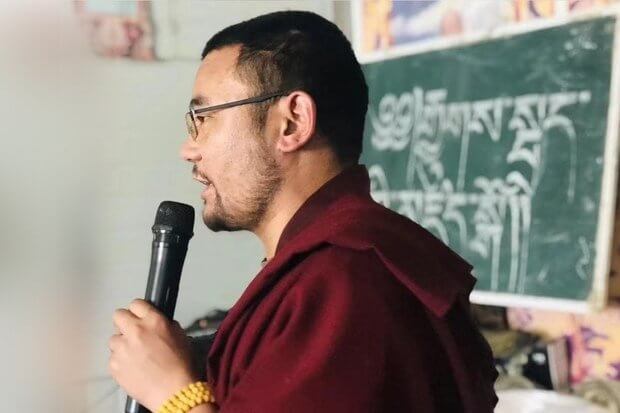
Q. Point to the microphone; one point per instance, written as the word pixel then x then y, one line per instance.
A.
pixel 173 228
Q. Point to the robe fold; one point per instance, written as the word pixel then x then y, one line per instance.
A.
pixel 359 310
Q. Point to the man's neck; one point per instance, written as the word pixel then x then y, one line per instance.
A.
pixel 294 192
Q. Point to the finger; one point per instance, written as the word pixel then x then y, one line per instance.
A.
pixel 124 320
pixel 142 309
pixel 115 342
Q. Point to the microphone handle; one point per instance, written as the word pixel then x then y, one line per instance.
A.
pixel 167 256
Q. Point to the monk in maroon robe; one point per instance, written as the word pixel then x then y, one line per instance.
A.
pixel 357 309
pixel 360 310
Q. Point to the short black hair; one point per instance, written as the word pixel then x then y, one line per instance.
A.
pixel 299 50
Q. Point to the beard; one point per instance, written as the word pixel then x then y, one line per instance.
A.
pixel 264 178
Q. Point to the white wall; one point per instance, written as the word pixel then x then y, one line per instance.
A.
pixel 89 148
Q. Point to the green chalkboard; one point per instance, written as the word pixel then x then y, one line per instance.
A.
pixel 498 148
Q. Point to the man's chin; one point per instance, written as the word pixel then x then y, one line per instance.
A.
pixel 216 223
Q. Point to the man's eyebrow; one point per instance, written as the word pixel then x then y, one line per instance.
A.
pixel 199 101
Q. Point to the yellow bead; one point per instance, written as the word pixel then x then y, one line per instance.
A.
pixel 187 398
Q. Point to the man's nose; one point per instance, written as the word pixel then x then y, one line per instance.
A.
pixel 190 150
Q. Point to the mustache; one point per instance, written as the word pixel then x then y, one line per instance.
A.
pixel 197 174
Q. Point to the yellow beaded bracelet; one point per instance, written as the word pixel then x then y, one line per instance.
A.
pixel 186 399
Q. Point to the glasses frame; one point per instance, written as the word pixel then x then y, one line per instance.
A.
pixel 190 117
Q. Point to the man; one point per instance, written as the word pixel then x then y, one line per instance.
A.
pixel 357 309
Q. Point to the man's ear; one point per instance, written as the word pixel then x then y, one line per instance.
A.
pixel 298 116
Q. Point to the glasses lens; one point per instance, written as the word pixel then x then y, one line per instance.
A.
pixel 191 126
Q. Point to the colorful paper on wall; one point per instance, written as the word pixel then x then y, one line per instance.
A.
pixel 386 23
pixel 594 339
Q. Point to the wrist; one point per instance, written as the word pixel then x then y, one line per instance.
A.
pixel 204 408
pixel 167 390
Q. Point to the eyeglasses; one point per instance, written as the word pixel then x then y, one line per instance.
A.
pixel 190 117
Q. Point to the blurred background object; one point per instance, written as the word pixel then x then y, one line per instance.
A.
pixel 118 29
pixel 542 401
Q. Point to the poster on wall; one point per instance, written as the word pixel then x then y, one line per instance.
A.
pixel 118 29
pixel 380 25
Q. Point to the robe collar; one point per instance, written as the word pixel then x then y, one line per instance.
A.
pixel 353 180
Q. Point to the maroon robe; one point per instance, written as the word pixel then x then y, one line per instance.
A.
pixel 360 310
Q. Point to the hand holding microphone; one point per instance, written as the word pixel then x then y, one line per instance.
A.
pixel 151 356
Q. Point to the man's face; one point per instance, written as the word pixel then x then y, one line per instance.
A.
pixel 232 156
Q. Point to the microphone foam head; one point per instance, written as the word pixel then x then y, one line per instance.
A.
pixel 176 215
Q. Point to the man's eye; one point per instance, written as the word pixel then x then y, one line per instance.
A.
pixel 202 118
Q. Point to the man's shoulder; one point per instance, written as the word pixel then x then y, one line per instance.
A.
pixel 334 271
pixel 334 259
pixel 365 243
pixel 372 224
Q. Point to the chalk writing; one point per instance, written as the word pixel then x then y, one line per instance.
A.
pixel 421 124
